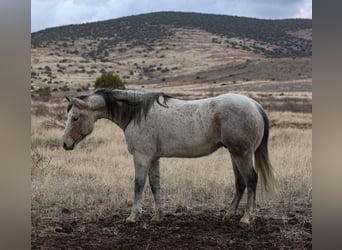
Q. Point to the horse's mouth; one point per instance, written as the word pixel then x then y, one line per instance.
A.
pixel 66 147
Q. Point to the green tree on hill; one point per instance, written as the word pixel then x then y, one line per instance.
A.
pixel 108 80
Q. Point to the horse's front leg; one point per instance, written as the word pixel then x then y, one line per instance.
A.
pixel 154 178
pixel 141 164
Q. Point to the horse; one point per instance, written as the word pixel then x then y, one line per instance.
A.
pixel 158 125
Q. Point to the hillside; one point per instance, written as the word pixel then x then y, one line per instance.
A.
pixel 172 48
pixel 147 28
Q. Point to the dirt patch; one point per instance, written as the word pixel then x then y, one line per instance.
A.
pixel 190 230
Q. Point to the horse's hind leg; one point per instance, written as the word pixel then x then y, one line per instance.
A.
pixel 244 164
pixel 154 178
pixel 141 165
pixel 240 187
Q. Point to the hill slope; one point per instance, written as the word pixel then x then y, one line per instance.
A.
pixel 168 49
pixel 147 28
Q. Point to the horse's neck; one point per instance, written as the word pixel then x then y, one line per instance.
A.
pixel 100 109
pixel 100 114
pixel 104 114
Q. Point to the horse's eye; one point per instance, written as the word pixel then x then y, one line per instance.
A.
pixel 74 119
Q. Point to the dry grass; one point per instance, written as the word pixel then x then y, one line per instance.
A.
pixel 97 177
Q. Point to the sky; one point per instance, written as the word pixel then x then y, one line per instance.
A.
pixel 52 13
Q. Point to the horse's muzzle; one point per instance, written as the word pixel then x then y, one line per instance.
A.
pixel 66 147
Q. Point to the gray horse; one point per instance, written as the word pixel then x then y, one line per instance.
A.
pixel 157 125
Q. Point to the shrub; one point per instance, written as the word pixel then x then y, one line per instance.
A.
pixel 108 80
pixel 42 94
pixel 47 68
pixel 64 88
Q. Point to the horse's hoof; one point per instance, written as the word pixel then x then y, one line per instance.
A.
pixel 244 224
pixel 130 221
pixel 228 216
pixel 157 217
pixel 133 218
pixel 246 220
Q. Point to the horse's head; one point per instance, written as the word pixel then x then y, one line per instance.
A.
pixel 80 122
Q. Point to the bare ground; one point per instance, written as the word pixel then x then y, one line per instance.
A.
pixel 192 229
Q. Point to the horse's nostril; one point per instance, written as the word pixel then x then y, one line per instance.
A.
pixel 66 147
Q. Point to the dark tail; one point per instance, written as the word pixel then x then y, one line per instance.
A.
pixel 262 161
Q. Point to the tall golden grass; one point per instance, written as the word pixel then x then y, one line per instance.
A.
pixel 98 175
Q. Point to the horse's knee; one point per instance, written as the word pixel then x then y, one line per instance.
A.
pixel 154 178
pixel 139 185
pixel 141 169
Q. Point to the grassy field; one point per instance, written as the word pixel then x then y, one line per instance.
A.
pixel 81 198
pixel 98 174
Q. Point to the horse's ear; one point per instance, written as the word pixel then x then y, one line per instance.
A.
pixel 68 98
pixel 78 102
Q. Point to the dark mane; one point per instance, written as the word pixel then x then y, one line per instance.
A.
pixel 128 105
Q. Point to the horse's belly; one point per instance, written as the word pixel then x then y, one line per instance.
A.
pixel 186 150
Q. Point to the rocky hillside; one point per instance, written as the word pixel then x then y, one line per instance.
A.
pixel 172 48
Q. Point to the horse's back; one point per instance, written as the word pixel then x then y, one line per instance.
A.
pixel 224 114
pixel 232 120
